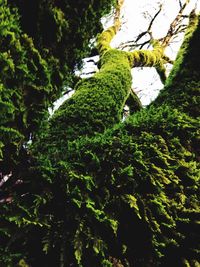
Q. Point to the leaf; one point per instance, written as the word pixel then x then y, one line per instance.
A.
pixel 78 249
pixel 133 204
pixel 97 245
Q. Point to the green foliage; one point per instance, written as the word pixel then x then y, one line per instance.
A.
pixel 25 83
pixel 62 29
pixel 142 177
pixel 182 86
pixel 100 193
pixel 42 42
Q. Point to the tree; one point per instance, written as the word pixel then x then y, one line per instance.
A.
pixel 41 45
pixel 98 192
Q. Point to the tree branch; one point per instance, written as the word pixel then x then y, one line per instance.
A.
pixel 147 58
pixel 104 39
pixel 174 29
pixel 134 44
pixel 174 25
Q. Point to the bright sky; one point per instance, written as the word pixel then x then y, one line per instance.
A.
pixel 135 13
pixel 146 82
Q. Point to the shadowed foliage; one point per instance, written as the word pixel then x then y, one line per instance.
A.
pixel 99 192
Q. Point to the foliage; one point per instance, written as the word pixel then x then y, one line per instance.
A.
pixel 147 179
pixel 41 45
pixel 99 192
pixel 181 76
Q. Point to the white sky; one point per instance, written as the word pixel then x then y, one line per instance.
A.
pixel 134 11
pixel 146 82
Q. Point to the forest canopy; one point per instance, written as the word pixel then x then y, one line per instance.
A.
pixel 85 187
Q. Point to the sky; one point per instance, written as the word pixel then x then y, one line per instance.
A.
pixel 146 82
pixel 134 13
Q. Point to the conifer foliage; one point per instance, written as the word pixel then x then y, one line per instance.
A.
pixel 42 42
pixel 92 190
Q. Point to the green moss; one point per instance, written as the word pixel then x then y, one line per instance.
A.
pixel 133 102
pixel 96 187
pixel 72 27
pixel 182 86
pixel 147 58
pixel 98 101
pixel 22 263
pixel 181 59
pixel 142 176
pixel 104 39
pixel 154 179
pixel 25 83
pixel 37 62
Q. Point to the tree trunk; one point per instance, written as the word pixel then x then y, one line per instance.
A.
pixel 128 192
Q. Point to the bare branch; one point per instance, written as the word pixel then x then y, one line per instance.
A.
pixel 174 29
pixel 174 25
pixel 180 4
pixel 135 44
pixel 132 45
pixel 154 17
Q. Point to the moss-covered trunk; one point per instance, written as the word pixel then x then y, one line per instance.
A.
pixel 133 191
pixel 98 101
pixel 108 194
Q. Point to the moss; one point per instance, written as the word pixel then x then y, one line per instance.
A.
pixel 181 59
pixel 182 86
pixel 147 58
pixel 133 102
pixel 96 187
pixel 72 27
pixel 98 101
pixel 150 58
pixel 139 177
pixel 154 179
pixel 104 39
pixel 37 63
pixel 25 83
pixel 22 263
